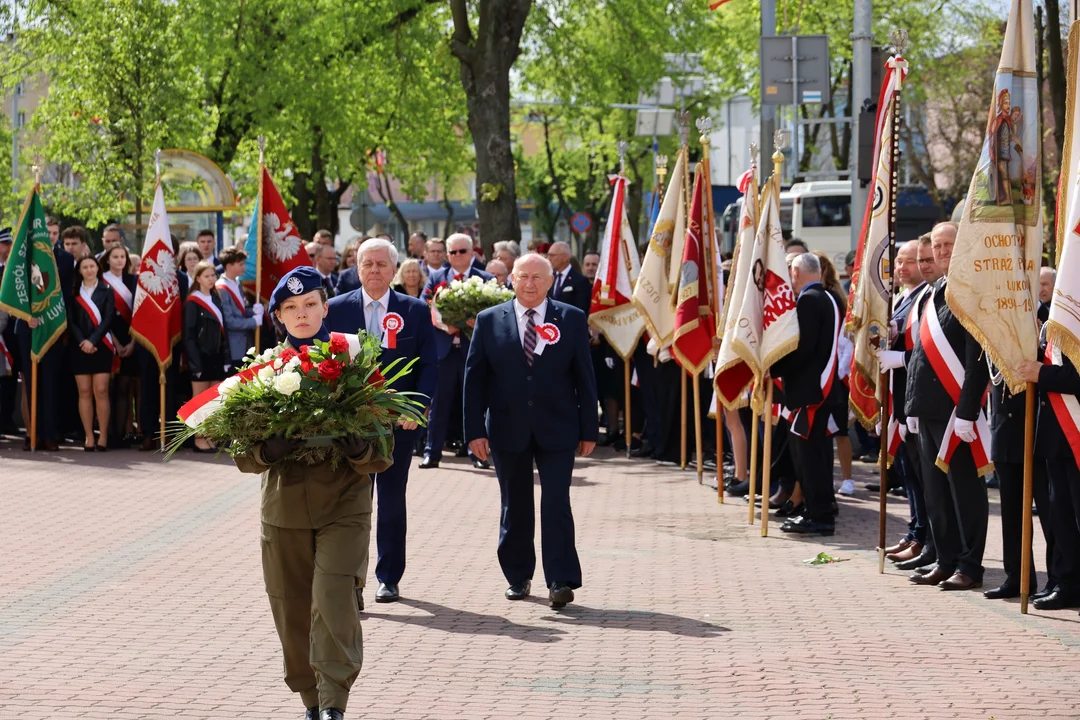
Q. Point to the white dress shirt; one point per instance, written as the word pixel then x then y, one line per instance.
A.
pixel 560 281
pixel 372 316
pixel 520 311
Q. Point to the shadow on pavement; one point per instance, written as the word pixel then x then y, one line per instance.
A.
pixel 643 620
pixel 465 622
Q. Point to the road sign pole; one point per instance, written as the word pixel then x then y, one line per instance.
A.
pixel 860 91
pixel 794 106
pixel 768 112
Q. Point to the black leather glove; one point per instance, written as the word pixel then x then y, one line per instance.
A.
pixel 277 447
pixel 351 446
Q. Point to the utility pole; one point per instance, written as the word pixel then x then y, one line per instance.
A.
pixel 768 112
pixel 15 129
pixel 861 39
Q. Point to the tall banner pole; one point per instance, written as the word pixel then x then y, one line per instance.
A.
pixel 766 458
pixel 754 465
pixel 704 126
pixel 622 147
pixel 1029 452
pixel 161 370
pixel 684 133
pixel 33 400
pixel 259 237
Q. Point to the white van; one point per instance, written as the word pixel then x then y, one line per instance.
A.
pixel 819 214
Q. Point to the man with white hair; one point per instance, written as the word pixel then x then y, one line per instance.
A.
pixel 403 324
pixel 530 399
pixel 809 376
pixel 453 347
pixel 506 251
pixel 499 270
pixel 1047 278
pixel 570 286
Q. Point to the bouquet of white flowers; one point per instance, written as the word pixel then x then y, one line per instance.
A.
pixel 316 392
pixel 462 300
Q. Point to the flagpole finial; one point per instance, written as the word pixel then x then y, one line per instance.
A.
pixel 683 119
pixel 779 143
pixel 704 126
pixel 661 168
pixel 36 169
pixel 622 145
pixel 754 152
pixel 262 148
pixel 157 164
pixel 899 39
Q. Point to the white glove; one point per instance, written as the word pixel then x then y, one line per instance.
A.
pixel 913 425
pixel 965 430
pixel 610 362
pixel 890 359
pixel 257 309
pixel 903 432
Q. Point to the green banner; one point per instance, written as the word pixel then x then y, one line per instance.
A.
pixel 30 288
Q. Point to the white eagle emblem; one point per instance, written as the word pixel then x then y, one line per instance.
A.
pixel 158 278
pixel 281 241
pixel 295 286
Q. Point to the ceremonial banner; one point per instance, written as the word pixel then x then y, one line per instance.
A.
pixel 282 247
pixel 995 263
pixel 1063 327
pixel 654 295
pixel 695 323
pixel 764 326
pixel 733 374
pixel 31 283
pixel 612 312
pixel 156 321
pixel 867 321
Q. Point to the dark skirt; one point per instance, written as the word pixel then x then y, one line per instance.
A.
pixel 213 368
pixel 89 364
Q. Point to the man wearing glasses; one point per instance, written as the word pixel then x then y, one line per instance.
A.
pixel 453 348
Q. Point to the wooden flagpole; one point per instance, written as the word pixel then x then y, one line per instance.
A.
pixel 766 456
pixel 754 433
pixel 259 238
pixel 684 135
pixel 704 126
pixel 1029 453
pixel 622 147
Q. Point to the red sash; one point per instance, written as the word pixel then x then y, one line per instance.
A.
pixel 123 302
pixel 224 285
pixel 803 419
pixel 950 372
pixel 95 319
pixel 210 308
pixel 1066 407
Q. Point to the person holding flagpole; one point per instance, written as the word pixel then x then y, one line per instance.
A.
pixel 92 350
pixel 114 266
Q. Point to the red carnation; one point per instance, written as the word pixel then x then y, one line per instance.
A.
pixel 288 354
pixel 306 366
pixel 330 370
pixel 377 378
pixel 338 343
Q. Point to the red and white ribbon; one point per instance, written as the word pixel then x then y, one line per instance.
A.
pixel 392 324
pixel 806 415
pixel 1066 407
pixel 95 319
pixel 122 296
pixel 223 285
pixel 209 306
pixel 950 372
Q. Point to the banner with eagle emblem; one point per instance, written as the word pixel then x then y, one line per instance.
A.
pixel 867 321
pixel 155 320
pixel 31 285
pixel 282 246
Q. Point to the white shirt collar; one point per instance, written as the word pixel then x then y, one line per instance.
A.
pixel 541 310
pixel 368 299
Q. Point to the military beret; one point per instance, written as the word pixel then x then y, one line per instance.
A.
pixel 298 281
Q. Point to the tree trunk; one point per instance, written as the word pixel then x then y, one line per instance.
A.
pixel 486 59
pixel 1055 70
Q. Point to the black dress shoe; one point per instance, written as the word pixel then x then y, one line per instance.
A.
pixel 924 559
pixel 560 594
pixel 312 713
pixel 1057 600
pixel 331 714
pixel 101 448
pixel 462 451
pixel 427 463
pixel 480 464
pixel 605 441
pixel 739 490
pixel 387 593
pixel 1043 593
pixel 789 510
pixel 1002 592
pixel 806 526
pixel 519 591
pixel 645 451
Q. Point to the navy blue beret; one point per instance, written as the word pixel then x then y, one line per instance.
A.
pixel 298 281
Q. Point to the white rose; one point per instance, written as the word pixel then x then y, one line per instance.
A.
pixel 287 383
pixel 266 373
pixel 455 284
pixel 277 364
pixel 229 386
pixel 251 352
pixel 293 363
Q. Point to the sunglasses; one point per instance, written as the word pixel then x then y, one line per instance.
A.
pixel 457 252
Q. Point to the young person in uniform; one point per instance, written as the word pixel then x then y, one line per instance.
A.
pixel 204 336
pixel 92 349
pixel 115 263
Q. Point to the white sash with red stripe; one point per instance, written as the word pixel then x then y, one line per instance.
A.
pixel 208 305
pixel 1066 407
pixel 224 285
pixel 122 296
pixel 95 319
pixel 950 372
pixel 803 418
pixel 8 365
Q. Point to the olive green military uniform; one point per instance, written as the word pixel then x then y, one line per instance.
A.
pixel 316 526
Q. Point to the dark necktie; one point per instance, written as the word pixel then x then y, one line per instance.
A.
pixel 558 285
pixel 529 343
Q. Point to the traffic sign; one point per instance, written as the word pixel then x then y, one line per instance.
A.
pixel 581 223
pixel 779 68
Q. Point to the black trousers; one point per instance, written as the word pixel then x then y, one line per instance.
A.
pixel 919 529
pixel 517 527
pixel 956 503
pixel 668 381
pixel 1065 514
pixel 812 457
pixel 51 375
pixel 1011 486
pixel 9 405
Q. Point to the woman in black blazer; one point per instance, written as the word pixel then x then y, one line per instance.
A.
pixel 92 349
pixel 204 336
pixel 115 263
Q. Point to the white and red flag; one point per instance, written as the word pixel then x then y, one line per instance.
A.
pixel 156 320
pixel 867 321
pixel 695 319
pixel 282 247
pixel 612 312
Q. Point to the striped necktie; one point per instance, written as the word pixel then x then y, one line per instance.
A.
pixel 529 343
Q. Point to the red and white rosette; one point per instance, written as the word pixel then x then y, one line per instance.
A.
pixel 546 334
pixel 392 324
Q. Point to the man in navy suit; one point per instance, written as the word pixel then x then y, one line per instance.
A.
pixel 404 324
pixel 530 397
pixel 569 286
pixel 453 347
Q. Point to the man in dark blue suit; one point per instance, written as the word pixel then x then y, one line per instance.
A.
pixel 404 324
pixel 530 397
pixel 569 286
pixel 453 347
